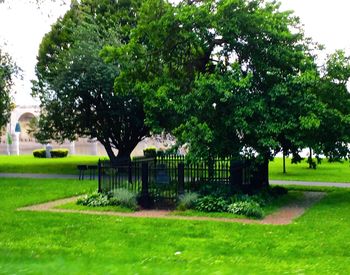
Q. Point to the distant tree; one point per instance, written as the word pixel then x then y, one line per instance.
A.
pixel 8 70
pixel 332 136
pixel 76 87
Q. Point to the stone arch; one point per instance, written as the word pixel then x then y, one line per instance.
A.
pixel 22 114
pixel 24 121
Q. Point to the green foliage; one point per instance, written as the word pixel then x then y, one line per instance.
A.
pixel 59 153
pixel 187 201
pixel 94 199
pixel 258 101
pixel 260 199
pixel 8 70
pixel 55 153
pixel 123 197
pixel 76 86
pixel 246 208
pixel 39 153
pixel 278 191
pixel 119 197
pixel 211 204
pixel 150 152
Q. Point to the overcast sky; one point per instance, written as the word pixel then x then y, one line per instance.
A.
pixel 23 26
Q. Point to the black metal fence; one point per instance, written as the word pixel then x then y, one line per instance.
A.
pixel 168 177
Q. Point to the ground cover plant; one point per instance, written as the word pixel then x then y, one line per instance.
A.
pixel 32 243
pixel 118 197
pixel 191 204
pixel 29 164
pixel 325 172
pixel 218 204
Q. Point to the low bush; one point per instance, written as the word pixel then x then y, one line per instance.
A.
pixel 248 208
pixel 40 153
pixel 119 197
pixel 187 201
pixel 59 153
pixel 277 191
pixel 94 199
pixel 55 153
pixel 123 197
pixel 211 204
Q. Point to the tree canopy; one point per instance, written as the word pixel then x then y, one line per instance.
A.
pixel 8 70
pixel 332 136
pixel 228 77
pixel 225 76
pixel 75 86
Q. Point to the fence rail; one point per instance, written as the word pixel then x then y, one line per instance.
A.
pixel 167 177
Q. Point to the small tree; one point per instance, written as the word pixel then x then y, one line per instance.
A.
pixel 8 70
pixel 76 87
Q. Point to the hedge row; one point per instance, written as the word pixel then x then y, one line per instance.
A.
pixel 55 153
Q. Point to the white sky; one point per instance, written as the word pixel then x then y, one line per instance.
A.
pixel 23 26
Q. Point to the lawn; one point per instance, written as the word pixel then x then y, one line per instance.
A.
pixel 62 243
pixel 29 164
pixel 325 172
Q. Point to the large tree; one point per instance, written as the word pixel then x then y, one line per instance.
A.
pixel 75 86
pixel 226 76
pixel 8 70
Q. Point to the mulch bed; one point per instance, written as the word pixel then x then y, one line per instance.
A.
pixel 285 215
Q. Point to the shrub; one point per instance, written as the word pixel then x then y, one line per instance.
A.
pixel 211 204
pixel 214 189
pixel 59 153
pixel 248 208
pixel 278 191
pixel 94 199
pixel 150 152
pixel 187 201
pixel 40 153
pixel 123 197
pixel 55 153
pixel 262 199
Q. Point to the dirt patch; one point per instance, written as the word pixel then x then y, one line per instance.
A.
pixel 284 215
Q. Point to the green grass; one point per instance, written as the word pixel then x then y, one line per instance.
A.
pixel 325 172
pixel 29 164
pixel 67 243
pixel 331 172
pixel 74 206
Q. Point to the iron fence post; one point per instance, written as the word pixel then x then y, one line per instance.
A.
pixel 236 176
pixel 99 176
pixel 181 178
pixel 145 200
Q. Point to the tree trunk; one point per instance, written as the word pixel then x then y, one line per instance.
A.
pixel 310 158
pixel 265 171
pixel 109 152
pixel 123 156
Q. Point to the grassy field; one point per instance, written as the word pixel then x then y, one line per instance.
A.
pixel 59 243
pixel 332 172
pixel 327 172
pixel 29 164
